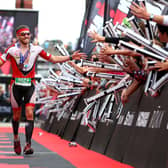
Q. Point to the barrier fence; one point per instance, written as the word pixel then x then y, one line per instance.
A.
pixel 138 136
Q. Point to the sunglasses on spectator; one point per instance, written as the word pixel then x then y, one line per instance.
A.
pixel 24 34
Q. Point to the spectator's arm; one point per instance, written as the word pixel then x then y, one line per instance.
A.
pixel 128 91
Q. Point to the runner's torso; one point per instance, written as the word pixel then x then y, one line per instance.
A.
pixel 27 68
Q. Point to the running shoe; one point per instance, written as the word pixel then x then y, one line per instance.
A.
pixel 17 147
pixel 28 150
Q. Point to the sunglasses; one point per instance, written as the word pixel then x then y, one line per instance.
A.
pixel 24 34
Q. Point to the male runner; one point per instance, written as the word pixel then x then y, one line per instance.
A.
pixel 23 56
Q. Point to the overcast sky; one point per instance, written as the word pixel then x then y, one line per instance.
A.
pixel 60 19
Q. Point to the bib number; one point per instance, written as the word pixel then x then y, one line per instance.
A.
pixel 23 81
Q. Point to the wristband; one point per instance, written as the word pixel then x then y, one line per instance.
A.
pixel 151 17
pixel 90 82
pixel 95 59
pixel 70 58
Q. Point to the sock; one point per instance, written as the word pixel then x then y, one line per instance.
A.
pixel 15 126
pixel 29 130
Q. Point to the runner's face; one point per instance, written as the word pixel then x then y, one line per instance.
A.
pixel 24 37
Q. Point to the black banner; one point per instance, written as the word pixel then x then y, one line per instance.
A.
pixel 93 20
pixel 96 15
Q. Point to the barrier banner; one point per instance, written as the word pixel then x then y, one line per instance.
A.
pixel 55 125
pixel 102 136
pixel 48 122
pixel 71 129
pixel 84 137
pixel 118 144
pixel 141 134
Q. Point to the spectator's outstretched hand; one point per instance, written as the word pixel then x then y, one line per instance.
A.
pixel 86 82
pixel 131 64
pixel 77 55
pixel 106 50
pixel 161 66
pixel 104 58
pixel 96 37
pixel 124 96
pixel 139 11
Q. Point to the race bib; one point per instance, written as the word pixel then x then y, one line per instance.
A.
pixel 23 81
